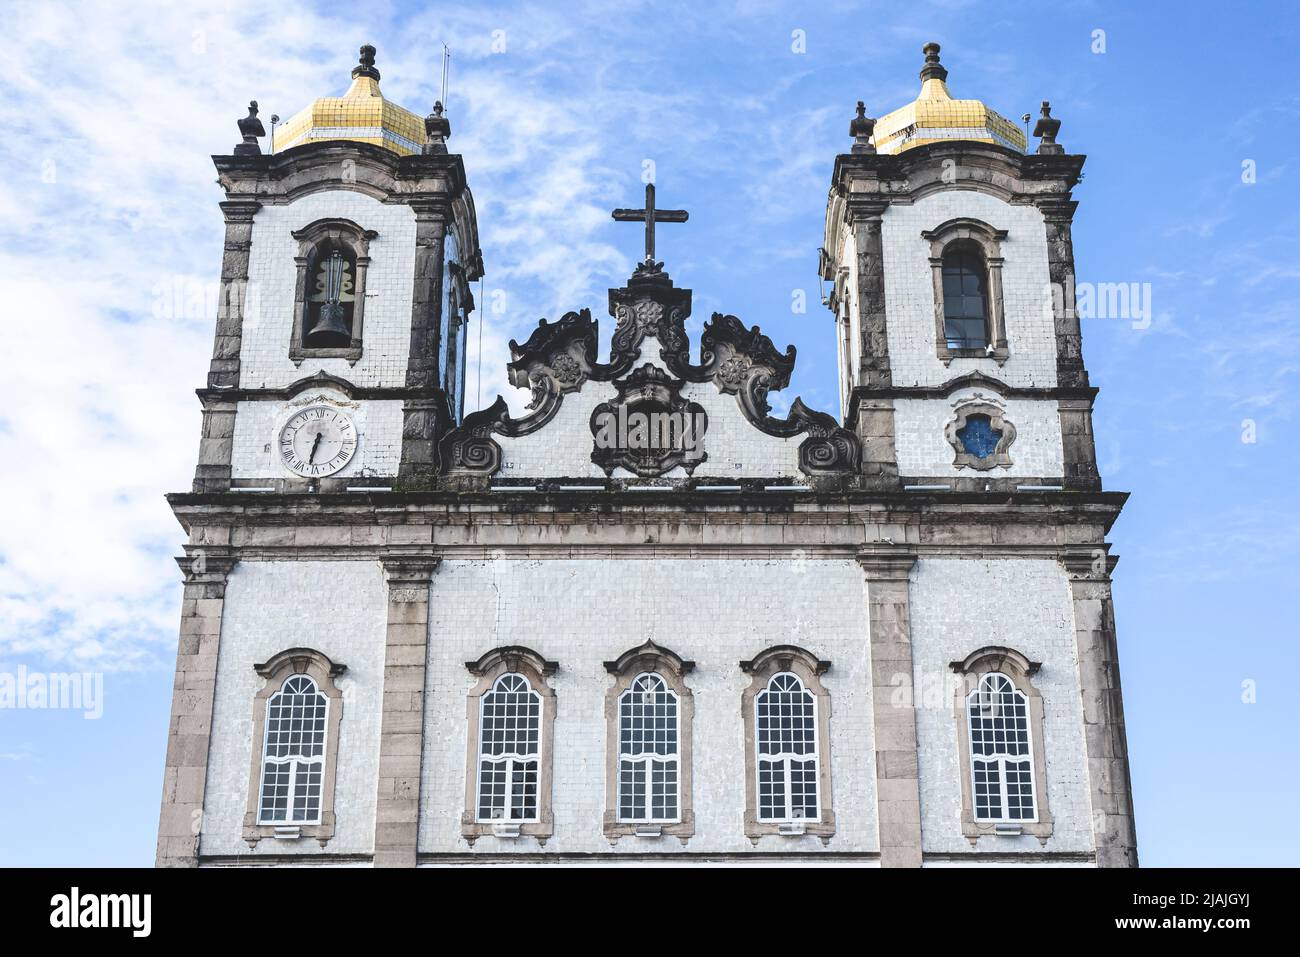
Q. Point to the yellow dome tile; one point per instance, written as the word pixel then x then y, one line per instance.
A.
pixel 934 116
pixel 360 115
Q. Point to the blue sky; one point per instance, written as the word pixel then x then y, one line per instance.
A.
pixel 108 204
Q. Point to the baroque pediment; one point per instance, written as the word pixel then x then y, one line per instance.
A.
pixel 648 374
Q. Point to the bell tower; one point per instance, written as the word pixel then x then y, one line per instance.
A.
pixel 346 280
pixel 948 246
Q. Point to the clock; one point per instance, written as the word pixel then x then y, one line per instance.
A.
pixel 317 441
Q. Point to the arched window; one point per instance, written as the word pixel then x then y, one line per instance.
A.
pixel 649 712
pixel 648 755
pixel 331 301
pixel 787 710
pixel 966 267
pixel 1000 734
pixel 965 296
pixel 296 719
pixel 787 751
pixel 1002 764
pixel 330 297
pixel 293 756
pixel 510 719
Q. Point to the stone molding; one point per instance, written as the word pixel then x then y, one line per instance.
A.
pixel 310 239
pixel 989 241
pixel 1000 457
pixel 510 659
pixel 809 668
pixel 650 658
pixel 276 670
pixel 1019 669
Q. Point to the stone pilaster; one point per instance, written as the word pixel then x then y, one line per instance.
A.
pixel 864 218
pixel 424 419
pixel 872 420
pixel 1058 214
pixel 216 443
pixel 223 373
pixel 212 473
pixel 401 738
pixel 1105 740
pixel 190 728
pixel 898 792
pixel 1078 449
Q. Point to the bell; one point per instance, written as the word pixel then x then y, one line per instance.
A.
pixel 330 324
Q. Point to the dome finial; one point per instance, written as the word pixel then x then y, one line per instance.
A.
pixel 933 69
pixel 367 65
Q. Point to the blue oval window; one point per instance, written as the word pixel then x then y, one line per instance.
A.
pixel 978 437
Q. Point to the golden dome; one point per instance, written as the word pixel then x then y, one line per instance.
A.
pixel 361 115
pixel 934 116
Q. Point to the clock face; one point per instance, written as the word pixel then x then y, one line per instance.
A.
pixel 317 441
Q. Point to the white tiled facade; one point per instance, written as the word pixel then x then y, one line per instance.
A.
pixel 923 450
pixel 909 291
pixel 258 424
pixel 268 326
pixel 581 613
pixel 338 609
pixel 272 276
pixel 920 445
pixel 959 606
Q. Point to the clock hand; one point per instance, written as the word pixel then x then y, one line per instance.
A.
pixel 314 446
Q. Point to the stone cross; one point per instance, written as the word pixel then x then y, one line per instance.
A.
pixel 650 216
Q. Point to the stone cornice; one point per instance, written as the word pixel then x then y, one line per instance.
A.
pixel 283 177
pixel 207 564
pixel 864 185
pixel 513 656
pixel 427 525
pixel 613 500
pixel 900 169
pixel 885 562
pixel 1093 563
pixel 973 380
pixel 320 381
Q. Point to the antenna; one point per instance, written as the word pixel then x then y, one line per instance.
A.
pixel 478 379
pixel 446 63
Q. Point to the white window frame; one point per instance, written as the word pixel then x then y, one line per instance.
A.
pixel 1019 671
pixel 647 758
pixel 1002 758
pixel 277 671
pixel 297 762
pixel 786 757
pixel 510 760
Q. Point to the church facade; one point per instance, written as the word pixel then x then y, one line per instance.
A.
pixel 648 618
